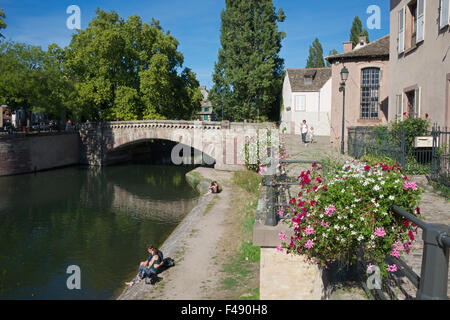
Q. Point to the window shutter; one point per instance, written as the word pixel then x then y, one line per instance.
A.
pixel 417 104
pixel 445 14
pixel 399 107
pixel 300 103
pixel 401 30
pixel 420 20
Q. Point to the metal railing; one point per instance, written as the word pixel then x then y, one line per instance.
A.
pixel 432 284
pixel 441 155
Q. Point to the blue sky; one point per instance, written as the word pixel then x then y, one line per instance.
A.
pixel 196 24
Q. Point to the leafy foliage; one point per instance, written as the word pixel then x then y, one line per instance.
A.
pixel 129 70
pixel 3 24
pixel 34 79
pixel 333 220
pixel 315 59
pixel 357 30
pixel 248 74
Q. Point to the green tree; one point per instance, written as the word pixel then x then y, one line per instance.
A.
pixel 129 70
pixel 357 30
pixel 3 25
pixel 315 59
pixel 248 74
pixel 33 79
pixel 332 53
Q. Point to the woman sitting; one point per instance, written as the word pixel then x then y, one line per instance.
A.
pixel 213 188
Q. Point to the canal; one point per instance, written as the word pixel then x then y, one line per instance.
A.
pixel 98 219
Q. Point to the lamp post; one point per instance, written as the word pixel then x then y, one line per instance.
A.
pixel 344 77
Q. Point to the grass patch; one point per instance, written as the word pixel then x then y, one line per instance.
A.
pixel 241 270
pixel 247 180
pixel 441 189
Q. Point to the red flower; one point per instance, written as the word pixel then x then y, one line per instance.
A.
pixel 367 168
pixel 404 113
pixel 418 210
pixel 325 188
pixel 426 115
pixel 411 235
pixel 406 223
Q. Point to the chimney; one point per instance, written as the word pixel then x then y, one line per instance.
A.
pixel 361 42
pixel 348 47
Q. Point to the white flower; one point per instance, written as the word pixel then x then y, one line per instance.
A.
pixel 342 240
pixel 353 233
pixel 385 214
pixel 381 196
pixel 360 238
pixel 376 188
pixel 373 201
pixel 351 226
pixel 344 228
pixel 391 198
pixel 382 183
pixel 372 237
pixel 357 200
pixel 321 216
pixel 337 227
pixel 343 191
pixel 377 204
pixel 361 218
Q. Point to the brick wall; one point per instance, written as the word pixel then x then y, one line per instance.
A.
pixel 24 154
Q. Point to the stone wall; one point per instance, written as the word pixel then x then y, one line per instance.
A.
pixel 29 153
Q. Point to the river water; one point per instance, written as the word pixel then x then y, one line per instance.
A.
pixel 100 220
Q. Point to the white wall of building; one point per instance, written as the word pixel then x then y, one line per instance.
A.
pixel 317 111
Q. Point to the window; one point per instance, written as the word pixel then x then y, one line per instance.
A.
pixel 444 17
pixel 300 103
pixel 206 109
pixel 370 93
pixel 308 80
pixel 413 103
pixel 205 118
pixel 420 21
pixel 413 20
pixel 401 30
pixel 399 116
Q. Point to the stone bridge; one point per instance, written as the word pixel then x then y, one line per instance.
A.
pixel 218 143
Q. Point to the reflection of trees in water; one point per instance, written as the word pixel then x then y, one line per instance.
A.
pixel 75 216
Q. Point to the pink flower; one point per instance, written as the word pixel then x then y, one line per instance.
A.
pixel 379 232
pixel 279 248
pixel 330 210
pixel 309 231
pixel 282 236
pixel 395 253
pixel 281 213
pixel 410 185
pixel 309 244
pixel 324 224
pixel 392 268
pixel 397 246
pixel 370 268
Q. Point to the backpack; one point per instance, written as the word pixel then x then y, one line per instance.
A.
pixel 168 262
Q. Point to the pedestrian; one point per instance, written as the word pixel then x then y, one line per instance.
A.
pixel 304 132
pixel 311 135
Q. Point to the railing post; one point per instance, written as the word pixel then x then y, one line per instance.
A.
pixel 434 273
pixel 271 219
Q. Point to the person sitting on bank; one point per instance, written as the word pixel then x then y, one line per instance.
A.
pixel 152 265
pixel 213 188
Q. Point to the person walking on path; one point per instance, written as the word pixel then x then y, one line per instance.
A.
pixel 304 132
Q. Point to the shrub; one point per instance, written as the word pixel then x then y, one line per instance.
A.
pixel 332 222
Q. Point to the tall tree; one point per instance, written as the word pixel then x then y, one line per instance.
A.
pixel 331 53
pixel 2 22
pixel 248 74
pixel 315 59
pixel 129 70
pixel 357 30
pixel 33 79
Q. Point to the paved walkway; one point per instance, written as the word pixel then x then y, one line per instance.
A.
pixel 435 209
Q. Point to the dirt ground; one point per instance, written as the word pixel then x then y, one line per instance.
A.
pixel 204 262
